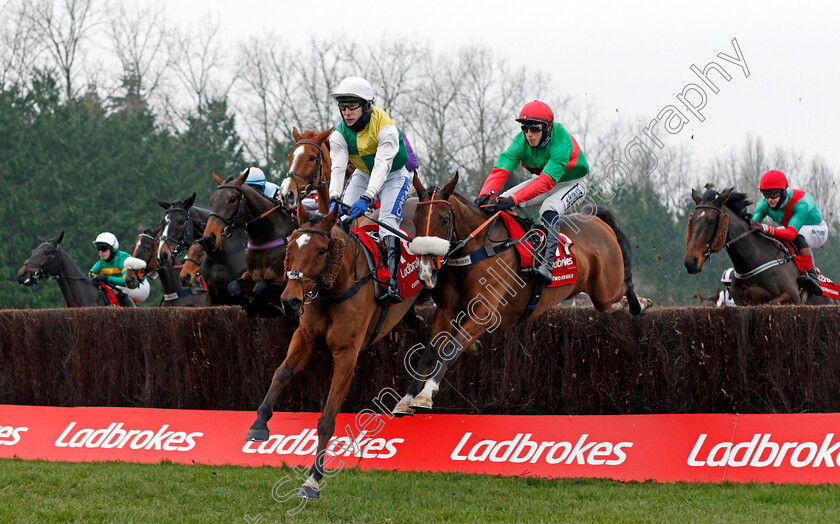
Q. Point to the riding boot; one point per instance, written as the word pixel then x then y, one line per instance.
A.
pixel 392 262
pixel 809 279
pixel 544 265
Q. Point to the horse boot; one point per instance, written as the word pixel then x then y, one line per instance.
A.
pixel 544 266
pixel 392 262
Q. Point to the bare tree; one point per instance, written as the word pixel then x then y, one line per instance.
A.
pixel 140 41
pixel 19 49
pixel 62 31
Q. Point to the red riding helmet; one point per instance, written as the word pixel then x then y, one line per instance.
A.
pixel 536 111
pixel 773 180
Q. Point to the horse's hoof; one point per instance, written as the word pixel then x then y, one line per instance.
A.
pixel 402 409
pixel 257 435
pixel 305 492
pixel 421 402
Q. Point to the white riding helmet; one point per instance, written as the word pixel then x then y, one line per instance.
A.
pixel 109 239
pixel 354 87
pixel 256 177
pixel 726 277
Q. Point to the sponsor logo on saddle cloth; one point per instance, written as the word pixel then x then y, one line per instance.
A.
pixel 409 262
pixel 829 288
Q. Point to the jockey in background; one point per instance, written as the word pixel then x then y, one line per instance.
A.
pixel 256 179
pixel 371 141
pixel 800 221
pixel 111 267
pixel 558 167
pixel 725 297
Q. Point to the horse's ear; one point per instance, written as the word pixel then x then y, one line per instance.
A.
pixel 163 204
pixel 418 185
pixel 695 196
pixel 217 179
pixel 324 136
pixel 324 199
pixel 140 228
pixel 303 216
pixel 449 188
pixel 331 218
pixel 60 238
pixel 241 179
pixel 39 239
pixel 296 134
pixel 189 202
pixel 723 197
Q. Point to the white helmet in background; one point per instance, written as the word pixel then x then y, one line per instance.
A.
pixel 109 239
pixel 256 177
pixel 726 277
pixel 353 87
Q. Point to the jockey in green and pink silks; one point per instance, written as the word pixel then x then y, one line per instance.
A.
pixel 799 219
pixel 554 158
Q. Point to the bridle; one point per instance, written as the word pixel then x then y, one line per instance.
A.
pixel 231 224
pixel 297 274
pixel 316 179
pixel 142 272
pixel 709 251
pixel 186 239
pixel 439 260
pixel 40 272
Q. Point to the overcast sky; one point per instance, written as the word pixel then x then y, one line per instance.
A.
pixel 633 59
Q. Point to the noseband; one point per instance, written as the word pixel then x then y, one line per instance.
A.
pixel 439 259
pixel 186 239
pixel 40 272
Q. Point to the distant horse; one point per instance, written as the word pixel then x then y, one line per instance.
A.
pixel 50 260
pixel 236 206
pixel 174 293
pixel 764 269
pixel 331 287
pixel 183 225
pixel 472 297
pixel 309 166
pixel 191 267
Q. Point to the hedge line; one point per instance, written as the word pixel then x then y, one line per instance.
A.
pixel 568 361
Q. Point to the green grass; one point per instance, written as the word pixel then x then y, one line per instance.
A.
pixel 37 491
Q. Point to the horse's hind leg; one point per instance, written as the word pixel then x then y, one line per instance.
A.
pixel 300 349
pixel 428 358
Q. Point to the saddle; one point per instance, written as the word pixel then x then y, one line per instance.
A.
pixel 529 241
pixel 114 297
pixel 409 284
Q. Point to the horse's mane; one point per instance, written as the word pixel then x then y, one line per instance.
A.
pixel 737 202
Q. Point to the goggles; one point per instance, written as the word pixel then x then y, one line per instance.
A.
pixel 352 106
pixel 103 247
pixel 536 128
pixel 772 193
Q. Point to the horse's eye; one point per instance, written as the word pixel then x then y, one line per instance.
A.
pixel 322 251
pixel 445 220
pixel 232 200
pixel 311 158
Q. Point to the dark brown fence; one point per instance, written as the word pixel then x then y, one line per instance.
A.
pixel 568 361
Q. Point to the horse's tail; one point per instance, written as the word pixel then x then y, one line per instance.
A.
pixel 626 253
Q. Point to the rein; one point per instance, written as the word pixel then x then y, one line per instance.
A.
pixel 230 223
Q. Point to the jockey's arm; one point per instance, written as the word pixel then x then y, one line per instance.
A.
pixel 339 156
pixel 760 211
pixel 388 145
pixel 552 173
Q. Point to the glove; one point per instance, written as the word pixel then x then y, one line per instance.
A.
pixel 481 200
pixel 757 226
pixel 101 278
pixel 358 209
pixel 505 203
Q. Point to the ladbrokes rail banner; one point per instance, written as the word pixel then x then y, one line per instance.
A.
pixel 801 448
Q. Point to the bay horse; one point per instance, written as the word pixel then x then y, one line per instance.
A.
pixel 309 166
pixel 236 206
pixel 765 272
pixel 174 293
pixel 184 225
pixel 473 297
pixel 50 260
pixel 191 267
pixel 330 286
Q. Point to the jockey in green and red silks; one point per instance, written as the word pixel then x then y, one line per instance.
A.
pixel 554 158
pixel 800 221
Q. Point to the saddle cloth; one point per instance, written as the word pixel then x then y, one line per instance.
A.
pixel 829 288
pixel 408 282
pixel 564 270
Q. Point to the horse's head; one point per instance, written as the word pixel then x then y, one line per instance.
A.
pixel 228 210
pixel 144 248
pixel 309 166
pixel 192 264
pixel 178 230
pixel 707 228
pixel 313 259
pixel 434 223
pixel 42 262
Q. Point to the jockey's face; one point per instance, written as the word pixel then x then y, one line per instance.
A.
pixel 533 133
pixel 350 112
pixel 104 252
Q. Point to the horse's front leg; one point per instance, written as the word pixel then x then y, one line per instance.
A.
pixel 300 349
pixel 344 364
